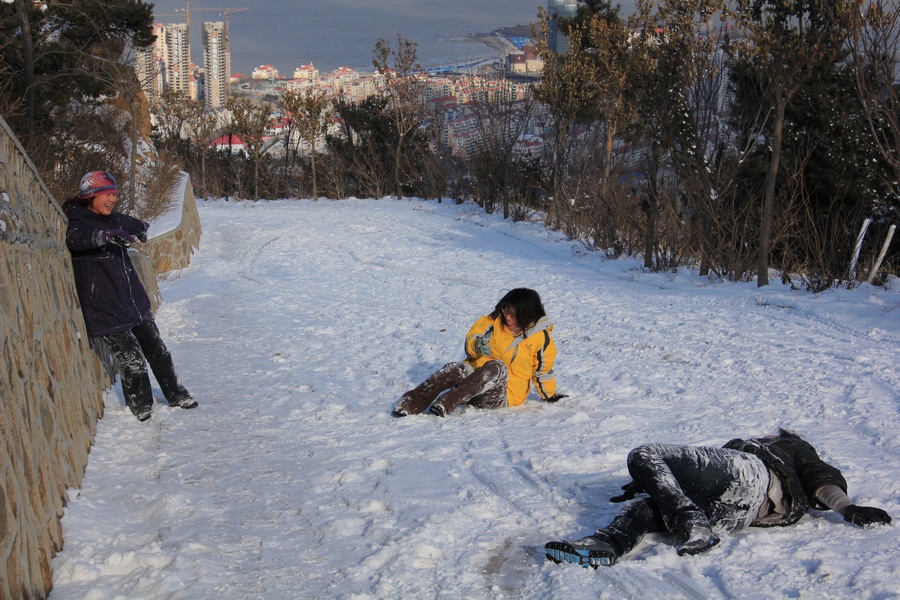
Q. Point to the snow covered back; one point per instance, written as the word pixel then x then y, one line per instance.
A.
pixel 299 324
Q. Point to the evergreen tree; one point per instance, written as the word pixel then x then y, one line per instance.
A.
pixel 60 51
pixel 784 42
pixel 365 147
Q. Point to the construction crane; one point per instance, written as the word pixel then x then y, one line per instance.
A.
pixel 227 12
pixel 222 11
pixel 187 19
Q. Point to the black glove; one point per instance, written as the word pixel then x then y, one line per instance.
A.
pixel 142 236
pixel 866 515
pixel 631 489
pixel 556 398
pixel 117 236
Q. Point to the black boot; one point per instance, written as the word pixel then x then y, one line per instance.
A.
pixel 694 534
pixel 183 400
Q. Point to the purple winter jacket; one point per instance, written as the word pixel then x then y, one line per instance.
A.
pixel 112 297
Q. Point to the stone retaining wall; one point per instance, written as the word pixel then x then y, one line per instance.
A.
pixel 51 382
pixel 172 250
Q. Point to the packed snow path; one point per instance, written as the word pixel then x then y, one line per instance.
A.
pixel 299 324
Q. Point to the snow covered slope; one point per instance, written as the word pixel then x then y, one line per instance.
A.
pixel 299 324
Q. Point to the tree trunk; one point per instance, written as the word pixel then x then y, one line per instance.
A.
pixel 506 184
pixel 28 64
pixel 397 190
pixel 312 163
pixel 650 242
pixel 256 177
pixel 203 191
pixel 607 160
pixel 130 202
pixel 765 229
pixel 562 130
pixel 704 245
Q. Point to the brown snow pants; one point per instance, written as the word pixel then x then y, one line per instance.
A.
pixel 482 388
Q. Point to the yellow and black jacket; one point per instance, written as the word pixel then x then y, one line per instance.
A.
pixel 529 356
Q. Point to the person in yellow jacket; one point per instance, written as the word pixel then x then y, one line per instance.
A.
pixel 506 352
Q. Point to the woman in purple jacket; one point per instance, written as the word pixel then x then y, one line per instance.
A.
pixel 114 303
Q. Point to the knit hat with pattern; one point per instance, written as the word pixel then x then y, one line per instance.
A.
pixel 95 183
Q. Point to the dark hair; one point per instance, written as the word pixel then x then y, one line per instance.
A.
pixel 76 200
pixel 525 302
pixel 787 433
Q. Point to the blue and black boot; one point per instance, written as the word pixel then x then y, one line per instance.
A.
pixel 592 551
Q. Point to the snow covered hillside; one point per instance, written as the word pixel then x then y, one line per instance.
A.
pixel 298 325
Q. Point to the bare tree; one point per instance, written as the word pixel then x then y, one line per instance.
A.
pixel 188 126
pixel 404 86
pixel 249 122
pixel 121 77
pixel 617 57
pixel 24 10
pixel 363 147
pixel 566 91
pixel 875 45
pixel 309 112
pixel 202 125
pixel 502 118
pixel 172 113
pixel 290 105
pixel 440 162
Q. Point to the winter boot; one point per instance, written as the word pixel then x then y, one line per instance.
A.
pixel 142 413
pixel 438 410
pixel 592 551
pixel 415 401
pixel 183 401
pixel 694 534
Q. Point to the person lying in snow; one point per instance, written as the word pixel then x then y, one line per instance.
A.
pixel 761 482
pixel 506 351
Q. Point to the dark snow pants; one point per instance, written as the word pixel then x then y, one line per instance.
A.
pixel 482 388
pixel 133 349
pixel 685 483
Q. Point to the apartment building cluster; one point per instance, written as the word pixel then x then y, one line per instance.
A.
pixel 451 101
pixel 342 82
pixel 167 64
pixel 461 116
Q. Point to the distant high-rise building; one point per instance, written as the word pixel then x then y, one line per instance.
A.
pixel 178 58
pixel 159 61
pixel 216 63
pixel 145 67
pixel 560 8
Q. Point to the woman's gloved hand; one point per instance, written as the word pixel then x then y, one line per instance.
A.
pixel 866 515
pixel 631 490
pixel 119 237
pixel 556 398
pixel 483 344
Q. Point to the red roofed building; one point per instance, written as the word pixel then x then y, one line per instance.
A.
pixel 265 72
pixel 306 72
pixel 229 143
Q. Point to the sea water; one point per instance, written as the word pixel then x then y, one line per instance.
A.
pixel 335 33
